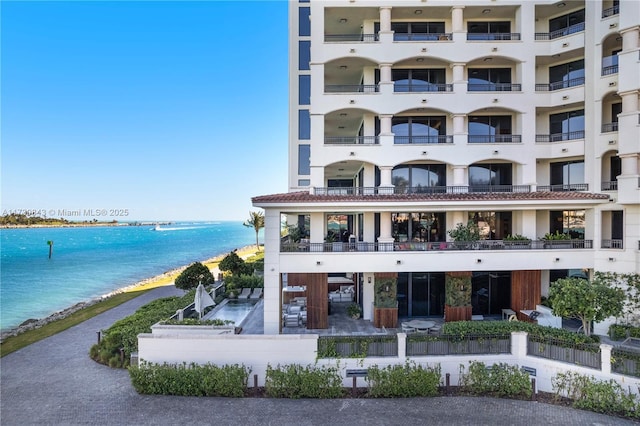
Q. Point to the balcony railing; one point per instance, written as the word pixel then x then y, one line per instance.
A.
pixel 561 32
pixel 399 190
pixel 350 37
pixel 351 88
pixel 437 246
pixel 611 11
pixel 612 244
pixel 351 140
pixel 609 186
pixel 557 137
pixel 494 87
pixel 422 36
pixel 404 140
pixel 610 127
pixel 422 87
pixel 557 85
pixel 610 65
pixel 492 36
pixel 494 138
pixel 563 187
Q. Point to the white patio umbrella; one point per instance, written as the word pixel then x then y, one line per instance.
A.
pixel 202 300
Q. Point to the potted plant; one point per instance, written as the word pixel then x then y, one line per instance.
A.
pixel 354 311
pixel 557 240
pixel 516 241
pixel 465 236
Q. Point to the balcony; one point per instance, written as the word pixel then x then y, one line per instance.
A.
pixel 611 11
pixel 563 187
pixel 422 36
pixel 609 127
pixel 438 246
pixel 351 88
pixel 494 87
pixel 561 32
pixel 492 36
pixel 495 138
pixel 609 186
pixel 557 137
pixel 560 85
pixel 351 140
pixel 422 87
pixel 611 244
pixel 364 38
pixel 416 140
pixel 610 65
pixel 398 190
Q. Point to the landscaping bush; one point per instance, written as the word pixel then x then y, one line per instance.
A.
pixel 621 332
pixel 194 274
pixel 123 334
pixel 235 265
pixel 295 381
pixel 403 381
pixel 501 380
pixel 237 282
pixel 587 393
pixel 190 380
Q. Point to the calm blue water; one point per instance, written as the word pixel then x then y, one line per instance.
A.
pixel 90 262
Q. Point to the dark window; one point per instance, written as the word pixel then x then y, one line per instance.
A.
pixel 570 222
pixel 567 125
pixel 304 55
pixel 566 75
pixel 416 127
pixel 404 31
pixel 616 225
pixel 484 126
pixel 304 124
pixel 483 175
pixel 422 227
pixel 304 182
pixel 567 24
pixel 419 177
pixel 484 79
pixel 567 173
pixel 488 30
pixel 615 110
pixel 492 225
pixel 421 294
pixel 304 165
pixel 304 90
pixel 304 24
pixel 417 80
pixel 616 168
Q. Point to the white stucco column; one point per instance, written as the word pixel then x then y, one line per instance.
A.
pixel 629 164
pixel 317 177
pixel 629 101
pixel 458 72
pixel 368 295
pixel 386 85
pixel 272 291
pixel 385 176
pixel 385 19
pixel 457 19
pixel 605 358
pixel 385 225
pixel 459 175
pixel 458 124
pixel 317 227
pixel 385 125
pixel 630 40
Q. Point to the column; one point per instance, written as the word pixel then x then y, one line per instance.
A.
pixel 385 19
pixel 385 240
pixel 385 125
pixel 385 177
pixel 459 175
pixel 457 19
pixel 272 291
pixel 386 84
pixel 630 39
pixel 459 80
pixel 317 227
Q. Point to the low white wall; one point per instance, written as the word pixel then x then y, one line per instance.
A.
pixel 258 351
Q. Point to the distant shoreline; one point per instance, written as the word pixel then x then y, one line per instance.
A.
pixel 83 225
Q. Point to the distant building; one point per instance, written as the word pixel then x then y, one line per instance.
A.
pixel 408 118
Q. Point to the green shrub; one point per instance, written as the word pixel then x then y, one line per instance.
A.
pixel 195 321
pixel 190 380
pixel 502 380
pixel 587 393
pixel 236 282
pixel 403 381
pixel 234 264
pixel 295 381
pixel 194 274
pixel 621 332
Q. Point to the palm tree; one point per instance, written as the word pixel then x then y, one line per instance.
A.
pixel 255 221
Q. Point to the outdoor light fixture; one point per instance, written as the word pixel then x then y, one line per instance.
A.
pixel 352 154
pixel 486 11
pixel 420 59
pixel 343 20
pixel 352 101
pixel 318 263
pixel 565 44
pixel 565 150
pixel 495 152
pixel 417 12
pixel 398 262
pixel 478 260
pixel 369 280
pixel 561 4
pixel 557 259
pixel 343 67
pixel 424 101
pixel 612 259
pixel 424 49
pixel 424 152
pixel 612 142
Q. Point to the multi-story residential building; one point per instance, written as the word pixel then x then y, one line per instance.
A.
pixel 408 118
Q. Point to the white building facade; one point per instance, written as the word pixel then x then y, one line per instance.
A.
pixel 408 118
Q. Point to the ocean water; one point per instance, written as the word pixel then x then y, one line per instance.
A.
pixel 92 261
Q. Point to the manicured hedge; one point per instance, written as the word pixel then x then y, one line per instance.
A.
pixel 501 380
pixel 403 381
pixel 297 381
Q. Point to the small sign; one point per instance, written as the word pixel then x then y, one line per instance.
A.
pixel 529 370
pixel 357 372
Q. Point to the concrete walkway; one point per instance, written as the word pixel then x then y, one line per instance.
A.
pixel 53 382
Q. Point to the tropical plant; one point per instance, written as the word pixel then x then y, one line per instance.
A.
pixel 354 311
pixel 234 264
pixel 585 300
pixel 255 221
pixel 516 237
pixel 556 236
pixel 462 232
pixel 194 274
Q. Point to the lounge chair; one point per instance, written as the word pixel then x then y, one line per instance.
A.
pixel 257 293
pixel 245 293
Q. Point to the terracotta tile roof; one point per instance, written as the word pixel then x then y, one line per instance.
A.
pixel 305 197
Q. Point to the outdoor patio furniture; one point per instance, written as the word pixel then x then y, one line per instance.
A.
pixel 257 293
pixel 406 328
pixel 435 329
pixel 245 293
pixel 292 320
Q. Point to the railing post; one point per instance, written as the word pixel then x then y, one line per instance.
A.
pixel 605 358
pixel 402 346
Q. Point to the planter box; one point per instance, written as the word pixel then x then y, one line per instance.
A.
pixel 517 245
pixel 385 317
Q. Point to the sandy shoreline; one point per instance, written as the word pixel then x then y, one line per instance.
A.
pixel 166 278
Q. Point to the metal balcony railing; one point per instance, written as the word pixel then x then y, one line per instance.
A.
pixel 609 186
pixel 422 87
pixel 351 88
pixel 610 127
pixel 610 65
pixel 611 11
pixel 494 138
pixel 563 187
pixel 612 244
pixel 492 36
pixel 437 246
pixel 396 190
pixel 556 85
pixel 494 87
pixel 557 137
pixel 351 140
pixel 367 38
pixel 561 32
pixel 422 36
pixel 404 140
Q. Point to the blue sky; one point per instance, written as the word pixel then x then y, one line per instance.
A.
pixel 170 110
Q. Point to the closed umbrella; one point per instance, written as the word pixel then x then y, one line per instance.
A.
pixel 202 300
